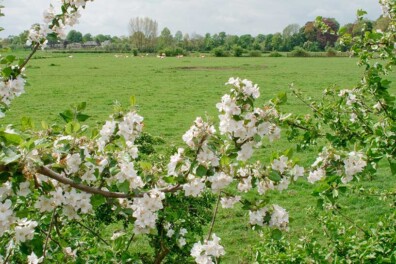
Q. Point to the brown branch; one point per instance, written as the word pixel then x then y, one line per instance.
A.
pixel 8 256
pixel 88 189
pixel 35 48
pixel 53 175
pixel 162 254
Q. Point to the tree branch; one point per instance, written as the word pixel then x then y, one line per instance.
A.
pixel 35 48
pixel 88 189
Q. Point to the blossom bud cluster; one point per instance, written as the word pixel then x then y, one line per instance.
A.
pixel 198 133
pixel 204 253
pixel 56 23
pixel 241 122
pixel 194 186
pixel 10 89
pixel 279 217
pixel 24 228
pixel 329 159
pixel 72 202
pixel 145 211
pixel 180 235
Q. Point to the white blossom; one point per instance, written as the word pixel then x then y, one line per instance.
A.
pixel 279 218
pixel 229 202
pixel 33 259
pixel 257 217
pixel 297 172
pixel 204 253
pixel 194 187
pixel 24 230
pixel 73 163
pixel 280 164
pixel 316 175
pixel 219 181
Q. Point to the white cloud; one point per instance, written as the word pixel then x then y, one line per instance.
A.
pixel 232 16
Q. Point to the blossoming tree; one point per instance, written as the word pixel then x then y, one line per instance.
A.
pixel 59 179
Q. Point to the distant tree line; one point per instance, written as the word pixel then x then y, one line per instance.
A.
pixel 144 38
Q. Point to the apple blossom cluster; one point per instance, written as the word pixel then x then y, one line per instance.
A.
pixel 145 211
pixel 208 252
pixel 10 89
pixel 180 235
pixel 352 164
pixel 56 23
pixel 229 202
pixel 243 123
pixel 194 186
pixel 23 228
pixel 198 133
pixel 279 218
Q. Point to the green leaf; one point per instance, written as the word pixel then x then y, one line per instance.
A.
pixel 82 117
pixel 145 165
pixel 123 187
pixel 323 186
pixel 361 13
pixel 44 125
pixel 81 106
pixel 282 98
pixel 11 138
pixel 97 200
pixel 10 58
pixel 4 176
pixel 201 171
pixel 27 123
pixel 319 204
pixel 67 116
pixel 275 176
pixel 132 100
pixel 225 161
pixel 276 234
pixel 170 180
pixel 7 71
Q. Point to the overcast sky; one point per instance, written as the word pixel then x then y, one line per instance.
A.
pixel 191 16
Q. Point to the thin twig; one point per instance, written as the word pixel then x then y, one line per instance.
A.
pixel 8 256
pixel 53 240
pixel 351 221
pixel 214 216
pixel 49 234
pixel 93 232
pixel 36 47
pixel 129 242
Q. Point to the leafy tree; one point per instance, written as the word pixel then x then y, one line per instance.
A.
pixel 74 36
pixel 246 41
pixel 143 33
pixel 276 42
pixel 178 36
pixel 290 30
pixel 165 39
pixel 87 37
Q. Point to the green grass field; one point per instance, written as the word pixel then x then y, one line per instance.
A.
pixel 172 92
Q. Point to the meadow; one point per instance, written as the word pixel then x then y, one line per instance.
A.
pixel 171 92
